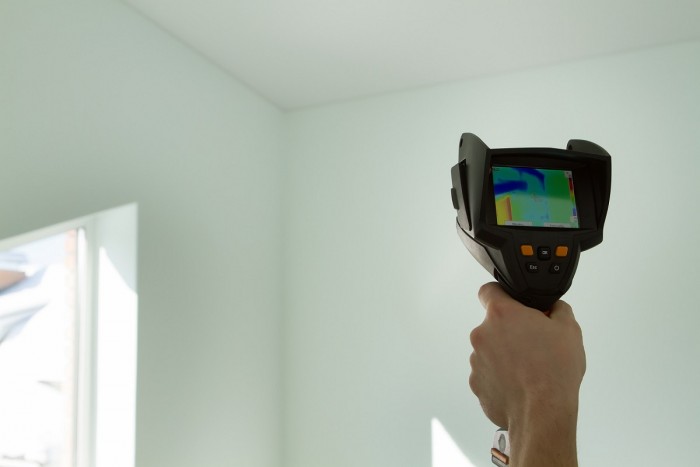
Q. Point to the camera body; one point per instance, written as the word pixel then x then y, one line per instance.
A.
pixel 526 214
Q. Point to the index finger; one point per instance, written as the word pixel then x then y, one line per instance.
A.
pixel 562 311
pixel 489 292
pixel 492 293
pixel 494 298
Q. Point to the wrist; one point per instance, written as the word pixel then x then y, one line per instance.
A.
pixel 544 433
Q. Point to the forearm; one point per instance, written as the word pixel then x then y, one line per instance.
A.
pixel 544 434
pixel 527 369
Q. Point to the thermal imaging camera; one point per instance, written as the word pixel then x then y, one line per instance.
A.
pixel 526 214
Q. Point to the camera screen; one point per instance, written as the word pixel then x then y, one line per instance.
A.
pixel 529 197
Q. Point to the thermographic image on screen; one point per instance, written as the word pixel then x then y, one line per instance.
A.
pixel 534 197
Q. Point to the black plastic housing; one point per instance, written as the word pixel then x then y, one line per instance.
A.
pixel 498 247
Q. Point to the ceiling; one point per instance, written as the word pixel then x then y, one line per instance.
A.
pixel 300 53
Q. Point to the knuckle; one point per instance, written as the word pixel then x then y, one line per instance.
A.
pixel 576 329
pixel 475 336
pixel 496 309
pixel 472 360
pixel 473 383
pixel 484 289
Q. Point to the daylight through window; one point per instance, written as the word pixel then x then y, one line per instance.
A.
pixel 39 352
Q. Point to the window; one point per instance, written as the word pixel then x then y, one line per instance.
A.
pixel 38 352
pixel 68 343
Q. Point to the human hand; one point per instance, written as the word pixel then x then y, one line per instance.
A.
pixel 526 364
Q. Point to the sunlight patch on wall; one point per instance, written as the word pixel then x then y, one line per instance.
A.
pixel 445 452
pixel 116 388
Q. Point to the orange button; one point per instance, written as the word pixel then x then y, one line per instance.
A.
pixel 562 251
pixel 527 250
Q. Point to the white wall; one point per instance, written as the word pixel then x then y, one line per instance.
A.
pixel 380 295
pixel 98 108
